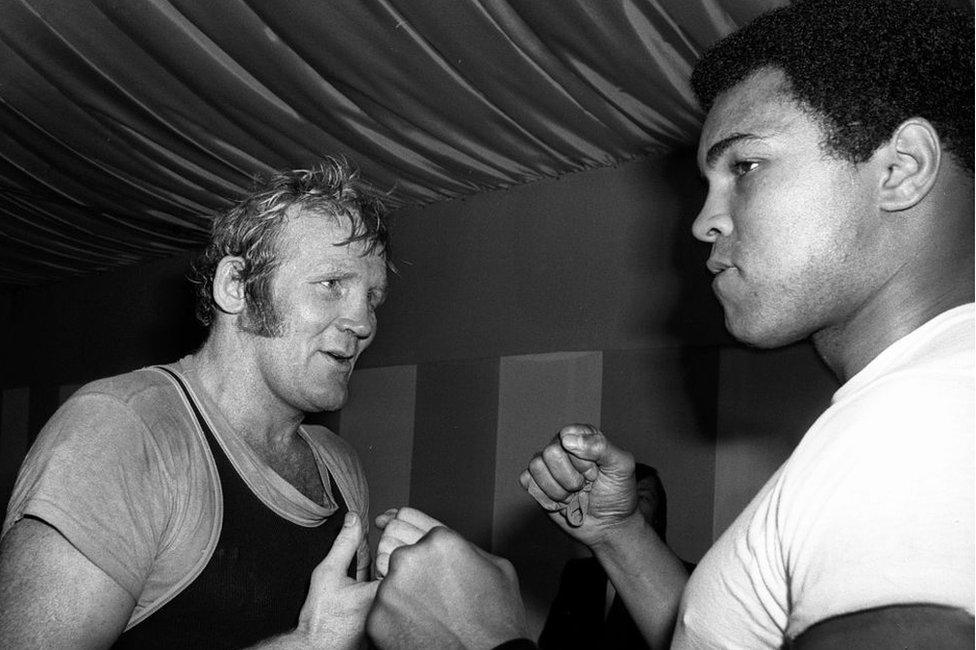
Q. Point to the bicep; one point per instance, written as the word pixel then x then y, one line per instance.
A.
pixel 898 626
pixel 52 596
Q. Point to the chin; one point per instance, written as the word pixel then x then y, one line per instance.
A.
pixel 331 402
pixel 761 335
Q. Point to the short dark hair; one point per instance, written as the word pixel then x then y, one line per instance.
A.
pixel 251 229
pixel 644 472
pixel 862 67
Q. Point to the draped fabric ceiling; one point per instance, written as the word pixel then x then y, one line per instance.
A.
pixel 124 124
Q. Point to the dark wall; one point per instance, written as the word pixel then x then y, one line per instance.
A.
pixel 77 330
pixel 602 259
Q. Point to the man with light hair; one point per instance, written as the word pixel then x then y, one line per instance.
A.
pixel 186 505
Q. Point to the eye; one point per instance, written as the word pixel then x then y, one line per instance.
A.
pixel 331 286
pixel 743 167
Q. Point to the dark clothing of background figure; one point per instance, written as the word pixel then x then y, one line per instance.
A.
pixel 576 616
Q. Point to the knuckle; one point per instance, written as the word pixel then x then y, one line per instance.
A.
pixel 393 528
pixel 396 558
pixel 537 465
pixel 321 571
pixel 553 454
pixel 441 538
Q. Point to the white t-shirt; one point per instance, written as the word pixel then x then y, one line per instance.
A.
pixel 124 472
pixel 874 507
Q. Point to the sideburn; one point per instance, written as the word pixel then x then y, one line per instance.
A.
pixel 260 316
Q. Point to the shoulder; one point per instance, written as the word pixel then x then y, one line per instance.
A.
pixel 875 507
pixel 915 402
pixel 132 388
pixel 144 395
pixel 139 413
pixel 932 366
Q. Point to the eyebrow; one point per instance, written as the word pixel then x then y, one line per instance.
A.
pixel 716 150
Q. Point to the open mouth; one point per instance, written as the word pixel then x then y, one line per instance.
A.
pixel 340 357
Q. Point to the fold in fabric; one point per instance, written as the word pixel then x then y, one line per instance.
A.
pixel 125 126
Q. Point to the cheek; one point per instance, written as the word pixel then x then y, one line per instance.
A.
pixel 313 316
pixel 781 233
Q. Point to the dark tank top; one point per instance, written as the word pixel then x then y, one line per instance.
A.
pixel 256 581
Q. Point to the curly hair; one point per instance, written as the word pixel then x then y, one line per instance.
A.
pixel 251 230
pixel 861 67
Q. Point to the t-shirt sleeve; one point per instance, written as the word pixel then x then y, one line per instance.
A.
pixel 95 474
pixel 885 516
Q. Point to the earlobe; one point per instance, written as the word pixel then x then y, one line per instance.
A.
pixel 913 157
pixel 228 290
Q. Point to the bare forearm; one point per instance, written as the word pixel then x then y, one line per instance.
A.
pixel 648 576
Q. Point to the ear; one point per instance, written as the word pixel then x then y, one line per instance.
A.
pixel 228 290
pixel 913 157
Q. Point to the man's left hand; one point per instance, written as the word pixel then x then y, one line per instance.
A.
pixel 334 613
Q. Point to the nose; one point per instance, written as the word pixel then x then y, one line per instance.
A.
pixel 358 319
pixel 713 221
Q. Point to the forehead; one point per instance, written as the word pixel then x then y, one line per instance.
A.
pixel 313 241
pixel 759 105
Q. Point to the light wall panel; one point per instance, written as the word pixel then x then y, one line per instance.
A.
pixel 378 421
pixel 537 395
pixel 659 404
pixel 453 470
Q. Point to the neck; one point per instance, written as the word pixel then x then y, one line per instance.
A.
pixel 935 276
pixel 923 266
pixel 231 381
pixel 847 350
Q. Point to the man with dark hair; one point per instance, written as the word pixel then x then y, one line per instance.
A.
pixel 186 505
pixel 838 151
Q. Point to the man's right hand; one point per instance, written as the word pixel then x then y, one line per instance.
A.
pixel 444 592
pixel 646 574
pixel 581 454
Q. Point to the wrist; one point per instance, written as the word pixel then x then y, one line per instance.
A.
pixel 621 534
